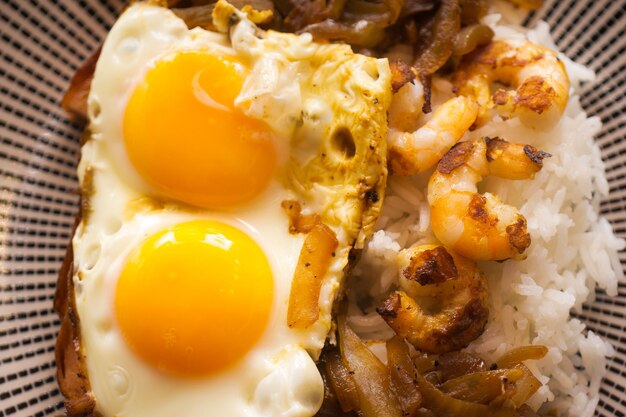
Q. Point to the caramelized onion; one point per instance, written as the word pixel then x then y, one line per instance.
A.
pixel 470 37
pixel 315 259
pixel 445 405
pixel 412 7
pixel 481 387
pixel 472 10
pixel 436 50
pixel 363 9
pixel 360 23
pixel 298 222
pixel 425 362
pixel 517 392
pixel 197 16
pixel 334 8
pixel 370 375
pixel 401 74
pixel 330 408
pixel 518 355
pixel 283 6
pixel 302 13
pixel 526 411
pixel 362 33
pixel 402 374
pixel 436 45
pixel 202 15
pixel 341 381
pixel 455 364
pixel 385 13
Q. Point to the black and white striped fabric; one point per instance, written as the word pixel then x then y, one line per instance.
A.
pixel 43 42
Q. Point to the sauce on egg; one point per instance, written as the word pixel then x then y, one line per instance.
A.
pixel 195 298
pixel 185 137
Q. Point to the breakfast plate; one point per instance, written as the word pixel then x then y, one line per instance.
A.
pixel 45 42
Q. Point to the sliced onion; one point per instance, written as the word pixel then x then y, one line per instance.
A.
pixel 470 37
pixel 394 8
pixel 437 44
pixel 298 222
pixel 456 364
pixel 202 15
pixel 315 259
pixel 362 33
pixel 370 375
pixel 425 362
pixel 472 10
pixel 341 381
pixel 303 12
pixel 526 411
pixel 334 8
pixel 385 13
pixel 402 374
pixel 518 392
pixel 197 16
pixel 412 7
pixel 444 405
pixel 434 53
pixel 401 73
pixel 481 387
pixel 521 354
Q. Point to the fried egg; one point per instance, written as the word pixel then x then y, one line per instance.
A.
pixel 183 257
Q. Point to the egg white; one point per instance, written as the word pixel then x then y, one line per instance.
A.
pixel 124 385
pixel 278 376
pixel 302 90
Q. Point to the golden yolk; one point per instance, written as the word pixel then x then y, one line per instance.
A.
pixel 185 137
pixel 193 299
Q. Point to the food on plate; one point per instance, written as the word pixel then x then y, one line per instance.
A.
pixel 373 28
pixel 454 293
pixel 190 293
pixel 372 382
pixel 536 74
pixel 448 384
pixel 241 249
pixel 318 250
pixel 410 153
pixel 480 226
pixel 548 270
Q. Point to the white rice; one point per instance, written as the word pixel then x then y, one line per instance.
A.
pixel 573 251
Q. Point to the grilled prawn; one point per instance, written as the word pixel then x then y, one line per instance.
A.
pixel 538 78
pixel 452 292
pixel 480 226
pixel 410 153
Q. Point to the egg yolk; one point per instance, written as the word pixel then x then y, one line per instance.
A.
pixel 194 298
pixel 185 137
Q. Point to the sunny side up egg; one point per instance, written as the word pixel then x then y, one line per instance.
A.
pixel 184 258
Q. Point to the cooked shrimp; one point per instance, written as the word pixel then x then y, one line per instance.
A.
pixel 410 153
pixel 406 107
pixel 480 227
pixel 453 297
pixel 538 76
